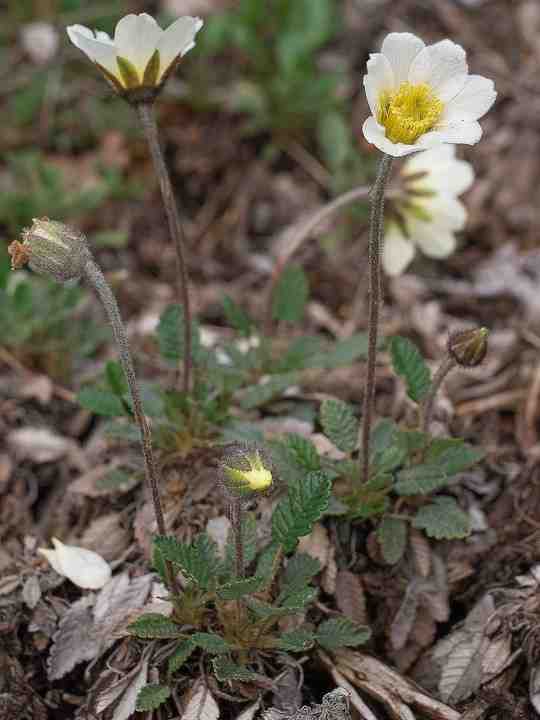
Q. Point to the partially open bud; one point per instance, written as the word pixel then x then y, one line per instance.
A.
pixel 246 472
pixel 469 347
pixel 51 248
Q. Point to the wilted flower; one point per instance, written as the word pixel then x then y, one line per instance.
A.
pixel 422 96
pixel 427 213
pixel 468 347
pixel 141 56
pixel 51 248
pixel 245 472
pixel 83 567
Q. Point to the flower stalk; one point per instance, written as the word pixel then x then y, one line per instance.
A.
pixel 376 229
pixel 426 410
pixel 145 112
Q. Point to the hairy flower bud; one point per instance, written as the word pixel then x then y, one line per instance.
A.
pixel 469 347
pixel 246 472
pixel 51 248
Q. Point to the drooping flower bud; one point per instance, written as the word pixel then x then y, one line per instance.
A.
pixel 246 472
pixel 469 347
pixel 51 248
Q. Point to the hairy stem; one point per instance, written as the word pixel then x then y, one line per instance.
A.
pixel 95 277
pixel 376 229
pixel 147 118
pixel 235 516
pixel 426 410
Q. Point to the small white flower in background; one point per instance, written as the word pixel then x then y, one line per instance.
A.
pixel 422 96
pixel 40 41
pixel 141 55
pixel 83 567
pixel 428 213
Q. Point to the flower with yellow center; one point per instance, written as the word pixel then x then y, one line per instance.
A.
pixel 427 213
pixel 141 56
pixel 422 96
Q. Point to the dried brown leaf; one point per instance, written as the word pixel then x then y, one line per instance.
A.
pixel 107 536
pixel 126 707
pixel 406 615
pixel 75 640
pixel 350 597
pixel 317 544
pixel 39 445
pixel 31 592
pixel 200 703
pixel 421 552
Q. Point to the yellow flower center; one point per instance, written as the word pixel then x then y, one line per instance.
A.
pixel 408 112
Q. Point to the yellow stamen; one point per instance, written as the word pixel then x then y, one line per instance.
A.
pixel 408 112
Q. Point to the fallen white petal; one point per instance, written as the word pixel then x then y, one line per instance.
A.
pixel 84 568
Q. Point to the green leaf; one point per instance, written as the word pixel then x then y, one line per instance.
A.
pixel 443 519
pixel 290 295
pixel 225 669
pixel 151 697
pixel 335 139
pixel 409 364
pixel 295 514
pixel 260 394
pixel 341 632
pixel 392 537
pixel 300 353
pixel 180 655
pixel 101 402
pixel 339 424
pixel 115 378
pixel 296 602
pixel 238 588
pixel 302 452
pixel 343 352
pixel 296 640
pixel 382 436
pixel 301 568
pixel 268 562
pixel 420 480
pixel 198 561
pixel 170 333
pixel 210 642
pixel 412 441
pixel 237 317
pixel 154 625
pixel 452 455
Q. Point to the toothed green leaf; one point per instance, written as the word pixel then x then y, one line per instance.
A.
pixel 154 625
pixel 392 537
pixel 296 640
pixel 151 697
pixel 409 364
pixel 210 642
pixel 290 295
pixel 296 514
pixel 180 655
pixel 238 588
pixel 341 632
pixel 198 562
pixel 225 669
pixel 339 424
pixel 443 519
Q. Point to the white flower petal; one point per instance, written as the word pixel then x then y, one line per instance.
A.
pixel 379 78
pixel 397 253
pixel 104 37
pixel 375 134
pixel 136 38
pixel 434 241
pixel 98 51
pixel 473 100
pixel 75 30
pixel 401 49
pixel 445 173
pixel 83 567
pixel 467 133
pixel 443 67
pixel 446 210
pixel 177 40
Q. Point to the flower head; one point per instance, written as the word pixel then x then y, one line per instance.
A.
pixel 422 96
pixel 141 56
pixel 427 213
pixel 51 248
pixel 246 472
pixel 83 567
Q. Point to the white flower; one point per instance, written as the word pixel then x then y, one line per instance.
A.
pixel 141 54
pixel 428 213
pixel 422 96
pixel 83 567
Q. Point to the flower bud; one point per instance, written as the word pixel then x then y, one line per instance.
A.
pixel 51 248
pixel 469 347
pixel 245 473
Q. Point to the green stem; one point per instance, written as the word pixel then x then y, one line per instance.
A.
pixel 376 230
pixel 95 277
pixel 426 410
pixel 147 118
